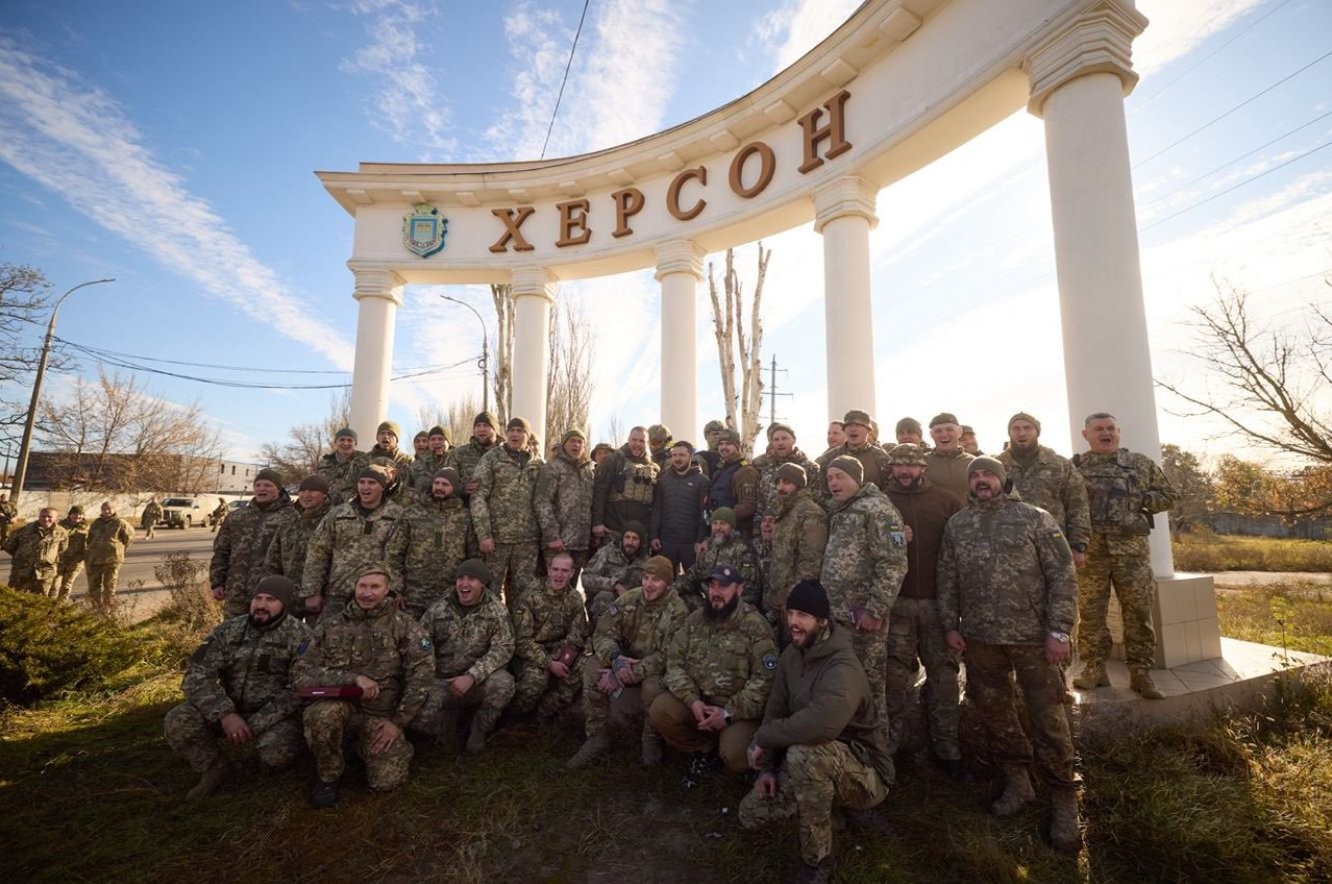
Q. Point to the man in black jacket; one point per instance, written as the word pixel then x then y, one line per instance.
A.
pixel 677 508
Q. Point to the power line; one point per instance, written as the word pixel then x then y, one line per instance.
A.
pixel 567 66
pixel 198 364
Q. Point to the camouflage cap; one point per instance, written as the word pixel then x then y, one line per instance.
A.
pixel 713 427
pixel 726 575
pixel 374 567
pixel 660 567
pixel 1023 416
pixel 989 464
pixel 943 417
pixel 724 514
pixel 731 436
pixel 907 455
pixel 778 425
pixel 486 418
pixel 437 430
pixel 345 431
pixel 268 474
pixel 75 510
pixel 573 433
pixel 279 587
pixel 793 473
pixel 519 423
pixel 376 472
pixel 473 568
pixel 849 465
pixel 659 433
pixel 968 430
pixel 909 425
pixel 389 427
pixel 603 446
pixel 856 416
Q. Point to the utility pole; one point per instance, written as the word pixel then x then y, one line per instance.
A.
pixel 484 361
pixel 772 391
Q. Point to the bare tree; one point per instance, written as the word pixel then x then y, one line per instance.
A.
pixel 459 417
pixel 24 296
pixel 504 310
pixel 430 416
pixel 569 382
pixel 615 426
pixel 299 455
pixel 1271 381
pixel 738 347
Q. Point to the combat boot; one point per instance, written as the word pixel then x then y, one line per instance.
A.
pixel 1093 676
pixel 700 765
pixel 209 780
pixel 483 722
pixel 653 747
pixel 1017 791
pixel 593 748
pixel 818 874
pixel 1143 685
pixel 1065 832
pixel 324 795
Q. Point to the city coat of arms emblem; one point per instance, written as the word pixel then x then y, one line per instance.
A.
pixel 423 230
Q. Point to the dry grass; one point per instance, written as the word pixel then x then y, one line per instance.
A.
pixel 1205 552
pixel 1294 616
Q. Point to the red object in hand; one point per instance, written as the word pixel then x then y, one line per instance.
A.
pixel 567 654
pixel 329 691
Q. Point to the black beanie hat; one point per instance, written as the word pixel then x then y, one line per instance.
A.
pixel 809 596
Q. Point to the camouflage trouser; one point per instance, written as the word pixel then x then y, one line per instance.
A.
pixel 65 582
pixel 872 650
pixel 28 580
pixel 990 671
pixel 328 721
pixel 597 605
pixel 236 604
pixel 199 741
pixel 102 583
pixel 810 780
pixel 675 722
pixel 513 566
pixel 492 695
pixel 625 711
pixel 150 531
pixel 537 688
pixel 914 631
pixel 1130 572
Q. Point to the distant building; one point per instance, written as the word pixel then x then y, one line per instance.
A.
pixel 128 473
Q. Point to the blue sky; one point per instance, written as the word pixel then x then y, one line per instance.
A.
pixel 173 147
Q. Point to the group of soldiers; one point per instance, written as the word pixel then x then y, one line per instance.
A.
pixel 47 555
pixel 767 616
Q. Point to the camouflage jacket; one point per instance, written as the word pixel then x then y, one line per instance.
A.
pixel 610 566
pixel 795 553
pixel 623 489
pixel 544 621
pixel 1051 482
pixel 78 544
pixel 727 663
pixel 502 505
pixel 437 536
pixel 247 669
pixel 878 468
pixel 397 455
pixel 341 475
pixel 152 514
pixel 475 641
pixel 109 537
pixel 291 541
pixel 563 501
pixel 1124 490
pixel 866 557
pixel 464 458
pixel 345 539
pixel 767 466
pixel 423 471
pixel 384 644
pixel 692 585
pixel 37 549
pixel 1006 574
pixel 637 628
pixel 242 542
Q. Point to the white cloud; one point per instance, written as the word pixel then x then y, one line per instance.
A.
pixel 75 140
pixel 794 29
pixel 1177 28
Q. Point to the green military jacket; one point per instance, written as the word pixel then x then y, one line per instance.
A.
pixel 247 669
pixel 767 466
pixel 563 501
pixel 1051 482
pixel 1124 490
pixel 346 539
pixel 291 542
pixel 544 621
pixel 109 538
pixel 692 585
pixel 637 628
pixel 241 544
pixel 502 505
pixel 610 566
pixel 341 474
pixel 465 458
pixel 795 553
pixel 875 460
pixel 77 549
pixel 37 551
pixel 866 556
pixel 437 537
pixel 476 641
pixel 423 472
pixel 728 663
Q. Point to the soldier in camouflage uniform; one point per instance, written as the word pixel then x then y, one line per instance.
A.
pixel 502 511
pixel 238 687
pixel 659 444
pixel 822 740
pixel 386 445
pixel 464 458
pixel 367 528
pixel 242 542
pixel 1007 600
pixel 1124 489
pixel 795 534
pixel 420 445
pixel 152 514
pixel 782 449
pixel 546 623
pixel 109 538
pixel 473 638
pixel 910 432
pixel 563 500
pixel 874 464
pixel 719 668
pixel 37 548
pixel 614 570
pixel 629 659
pixel 623 487
pixel 342 465
pixel 291 542
pixel 946 463
pixel 1047 480
pixel 430 462
pixel 71 563
pixel 374 646
pixel 726 546
pixel 863 565
pixel 8 513
pixel 399 489
pixel 437 537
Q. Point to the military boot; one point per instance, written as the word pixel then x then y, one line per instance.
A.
pixel 1065 832
pixel 653 746
pixel 1017 791
pixel 209 780
pixel 700 765
pixel 1143 685
pixel 483 722
pixel 593 748
pixel 1093 676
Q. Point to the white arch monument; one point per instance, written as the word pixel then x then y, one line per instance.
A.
pixel 898 85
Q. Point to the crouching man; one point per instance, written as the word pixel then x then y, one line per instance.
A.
pixel 473 638
pixel 238 687
pixel 823 738
pixel 370 669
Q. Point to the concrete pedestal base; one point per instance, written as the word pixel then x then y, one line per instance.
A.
pixel 1184 617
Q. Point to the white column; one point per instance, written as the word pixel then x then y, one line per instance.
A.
pixel 533 293
pixel 379 293
pixel 679 269
pixel 844 214
pixel 1079 78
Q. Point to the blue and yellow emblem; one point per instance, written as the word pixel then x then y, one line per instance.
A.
pixel 423 230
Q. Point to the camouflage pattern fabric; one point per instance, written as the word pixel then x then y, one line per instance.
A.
pixel 342 473
pixel 71 562
pixel 563 501
pixel 291 542
pixel 1049 481
pixel 239 548
pixel 328 723
pixel 1124 489
pixel 502 511
pixel 914 631
pixel 402 459
pixel 865 559
pixel 199 741
pixel 465 458
pixel 692 585
pixel 437 536
pixel 109 537
pixel 344 540
pixel 795 553
pixel 36 555
pixel 608 567
pixel 1130 574
pixel 422 474
pixel 544 621
pixel 476 641
pixel 878 468
pixel 767 466
pixel 727 663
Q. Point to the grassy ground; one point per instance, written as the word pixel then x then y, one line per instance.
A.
pixel 1203 551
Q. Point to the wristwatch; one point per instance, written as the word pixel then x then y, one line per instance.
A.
pixel 726 716
pixel 1061 637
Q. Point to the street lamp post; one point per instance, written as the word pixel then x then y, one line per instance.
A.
pixel 484 362
pixel 21 468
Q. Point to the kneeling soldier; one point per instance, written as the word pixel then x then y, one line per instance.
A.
pixel 238 686
pixel 550 631
pixel 373 664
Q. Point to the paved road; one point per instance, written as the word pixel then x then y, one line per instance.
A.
pixel 139 592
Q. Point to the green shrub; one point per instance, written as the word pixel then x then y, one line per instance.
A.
pixel 47 647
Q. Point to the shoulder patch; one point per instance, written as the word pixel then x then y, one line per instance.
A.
pixel 613 610
pixel 770 661
pixel 898 538
pixel 425 643
pixel 302 648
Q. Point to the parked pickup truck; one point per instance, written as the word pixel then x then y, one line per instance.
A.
pixel 183 512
